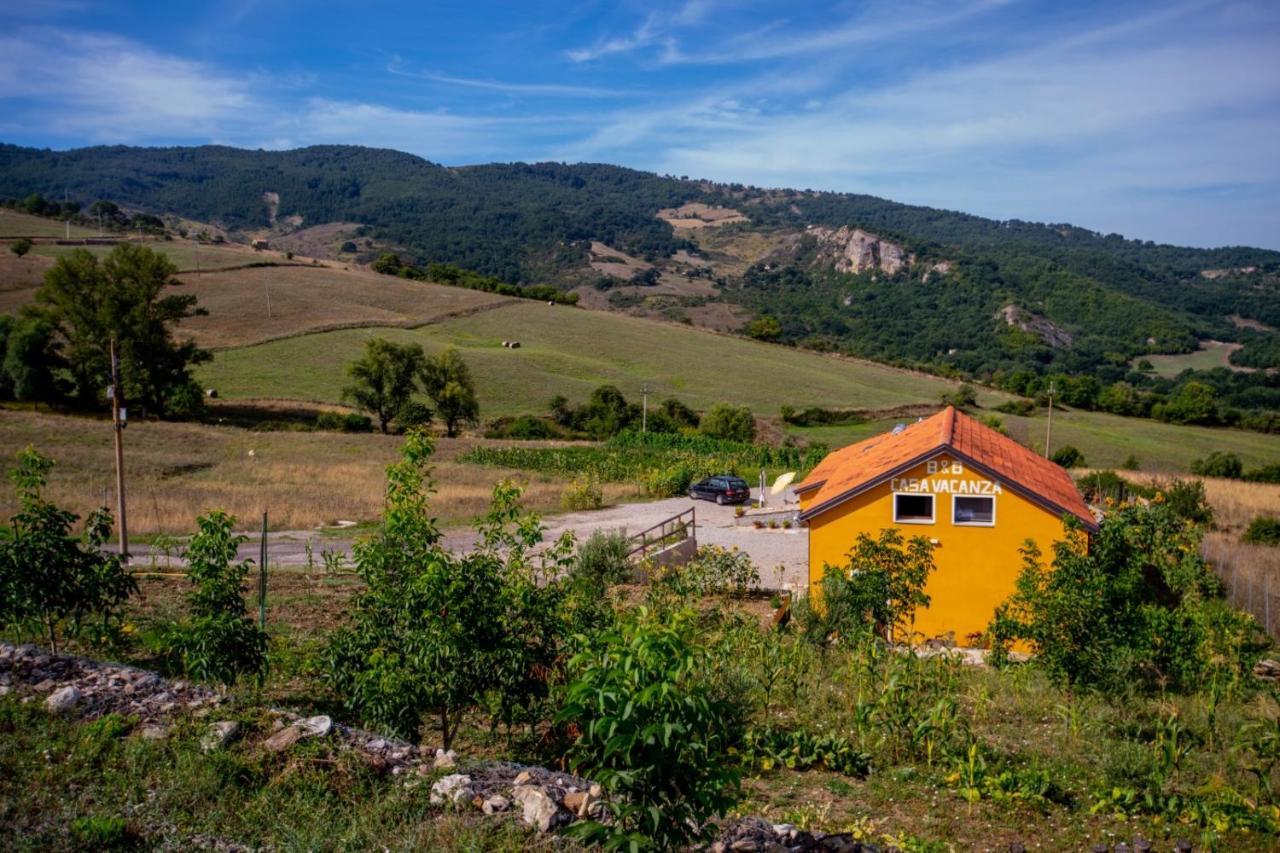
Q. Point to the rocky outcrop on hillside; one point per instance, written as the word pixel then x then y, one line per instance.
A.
pixel 1042 327
pixel 853 250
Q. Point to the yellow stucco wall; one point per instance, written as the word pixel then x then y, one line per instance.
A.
pixel 977 567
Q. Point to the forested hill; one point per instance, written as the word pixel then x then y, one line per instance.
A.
pixel 1002 301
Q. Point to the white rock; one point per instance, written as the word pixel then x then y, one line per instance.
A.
pixel 61 701
pixel 451 789
pixel 539 809
pixel 153 731
pixel 315 726
pixel 445 760
pixel 496 803
pixel 219 735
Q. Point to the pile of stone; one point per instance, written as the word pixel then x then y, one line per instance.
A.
pixel 543 799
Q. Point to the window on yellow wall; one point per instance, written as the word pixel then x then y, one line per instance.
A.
pixel 978 511
pixel 913 509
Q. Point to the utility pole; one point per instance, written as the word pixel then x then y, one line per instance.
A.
pixel 644 409
pixel 1048 429
pixel 119 417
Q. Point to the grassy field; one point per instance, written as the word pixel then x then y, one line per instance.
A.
pixel 571 351
pixel 177 471
pixel 1105 440
pixel 15 224
pixel 1210 355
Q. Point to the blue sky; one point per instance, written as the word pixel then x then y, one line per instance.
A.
pixel 1156 120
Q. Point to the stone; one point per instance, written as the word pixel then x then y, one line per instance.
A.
pixel 454 788
pixel 445 760
pixel 153 731
pixel 283 739
pixel 524 777
pixel 495 804
pixel 61 701
pixel 539 810
pixel 4 689
pixel 45 686
pixel 219 735
pixel 319 726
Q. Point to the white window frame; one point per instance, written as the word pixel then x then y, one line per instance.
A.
pixel 933 503
pixel 991 523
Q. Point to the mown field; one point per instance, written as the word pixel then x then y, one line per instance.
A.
pixel 15 224
pixel 571 351
pixel 1210 355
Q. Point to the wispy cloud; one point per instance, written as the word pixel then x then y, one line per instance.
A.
pixel 552 90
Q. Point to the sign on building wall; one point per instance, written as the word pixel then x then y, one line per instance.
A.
pixel 945 476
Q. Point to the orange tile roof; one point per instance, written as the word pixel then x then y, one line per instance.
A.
pixel 853 469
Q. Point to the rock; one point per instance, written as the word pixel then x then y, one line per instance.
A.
pixel 445 760
pixel 524 777
pixel 153 731
pixel 283 739
pixel 219 735
pixel 45 686
pixel 495 804
pixel 4 689
pixel 61 701
pixel 540 811
pixel 1267 670
pixel 451 789
pixel 319 726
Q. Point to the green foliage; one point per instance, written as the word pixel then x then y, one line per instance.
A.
pixel 714 570
pixel 1186 499
pixel 728 422
pixel 343 422
pixel 1131 463
pixel 1265 474
pixel 127 296
pixel 1068 457
pixel 48 577
pixel 440 633
pixel 384 379
pixel 878 590
pixel 770 748
pixel 652 734
pixel 21 246
pixel 964 397
pixel 221 642
pixel 817 416
pixel 1263 530
pixel 1135 608
pixel 523 428
pixel 602 561
pixel 33 364
pixel 447 381
pixel 1218 464
pixel 765 328
pixel 583 493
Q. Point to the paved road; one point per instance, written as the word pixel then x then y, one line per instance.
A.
pixel 769 549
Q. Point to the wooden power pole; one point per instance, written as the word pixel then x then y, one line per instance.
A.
pixel 119 418
pixel 1048 428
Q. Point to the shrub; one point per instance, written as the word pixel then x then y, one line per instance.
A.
pixel 652 734
pixel 670 481
pixel 602 561
pixel 1021 408
pixel 221 642
pixel 728 422
pixel 413 414
pixel 1265 474
pixel 1130 463
pixel 582 493
pixel 344 422
pixel 1102 486
pixel 964 397
pixel 715 570
pixel 995 422
pixel 1068 457
pixel 1263 530
pixel 350 248
pixel 20 246
pixel 1218 464
pixel 522 428
pixel 49 578
pixel 1187 500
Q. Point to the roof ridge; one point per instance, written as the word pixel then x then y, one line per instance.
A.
pixel 949 425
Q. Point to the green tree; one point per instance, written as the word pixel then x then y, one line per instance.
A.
pixel 1067 456
pixel 765 328
pixel 447 381
pixel 33 359
pixel 435 633
pixel 1195 403
pixel 384 379
pixel 1218 464
pixel 652 733
pixel 221 643
pixel 126 297
pixel 20 246
pixel 729 422
pixel 50 577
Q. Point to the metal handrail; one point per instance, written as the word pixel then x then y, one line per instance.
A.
pixel 668 528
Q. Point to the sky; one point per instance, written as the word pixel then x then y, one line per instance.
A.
pixel 1155 120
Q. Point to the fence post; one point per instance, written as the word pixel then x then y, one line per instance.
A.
pixel 1266 602
pixel 262 577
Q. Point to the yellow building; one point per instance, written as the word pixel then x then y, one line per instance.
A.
pixel 976 494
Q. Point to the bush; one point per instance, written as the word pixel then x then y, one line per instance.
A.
pixel 1102 486
pixel 1130 463
pixel 964 397
pixel 344 422
pixel 728 422
pixel 1263 530
pixel 602 560
pixel 1265 474
pixel 20 246
pixel 1218 464
pixel 670 481
pixel 582 493
pixel 1068 457
pixel 652 734
pixel 522 428
pixel 1021 408
pixel 713 571
pixel 350 248
pixel 51 580
pixel 1187 500
pixel 221 643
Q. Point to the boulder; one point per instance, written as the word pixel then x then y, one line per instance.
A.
pixel 539 810
pixel 445 759
pixel 62 701
pixel 495 804
pixel 319 726
pixel 283 739
pixel 219 735
pixel 454 788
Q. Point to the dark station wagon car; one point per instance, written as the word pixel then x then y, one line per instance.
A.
pixel 723 490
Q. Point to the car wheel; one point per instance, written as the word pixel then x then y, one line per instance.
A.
pixel 693 496
pixel 720 500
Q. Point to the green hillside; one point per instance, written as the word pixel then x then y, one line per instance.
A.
pixel 570 351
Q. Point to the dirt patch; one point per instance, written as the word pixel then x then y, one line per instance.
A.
pixel 1255 325
pixel 318 241
pixel 611 262
pixel 695 215
pixel 719 316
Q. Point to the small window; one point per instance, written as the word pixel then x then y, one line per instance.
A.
pixel 974 510
pixel 913 509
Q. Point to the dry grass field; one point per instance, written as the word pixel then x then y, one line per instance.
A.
pixel 15 224
pixel 177 471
